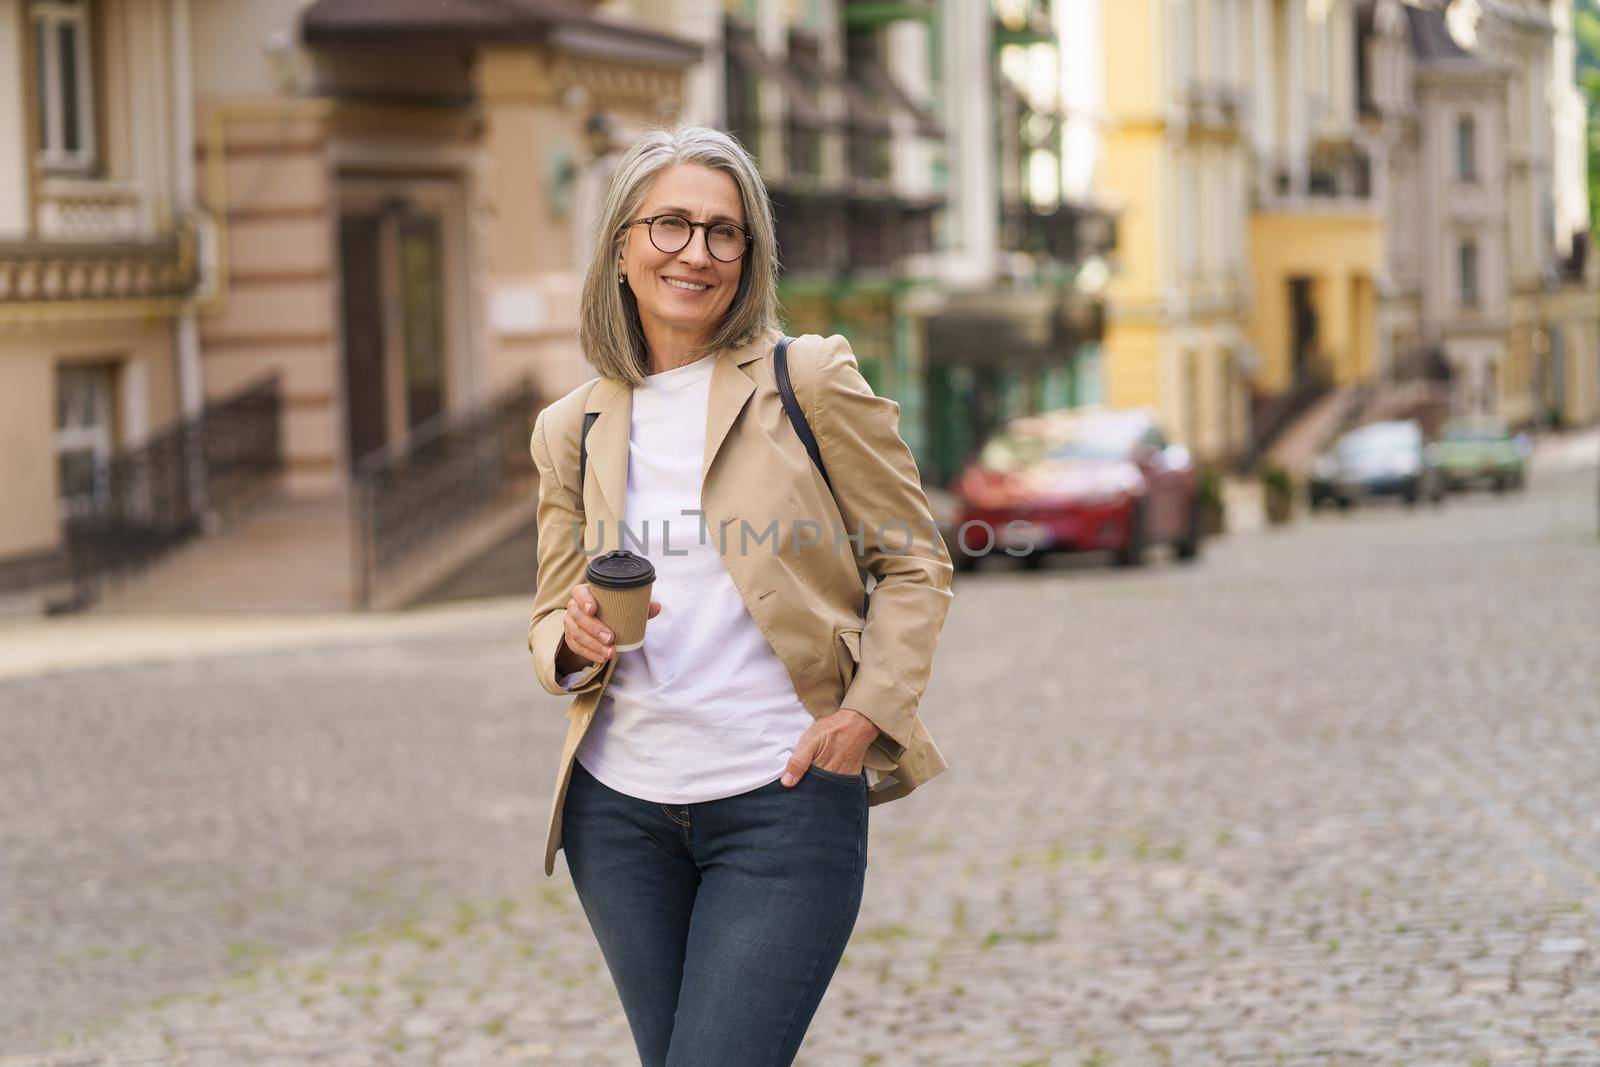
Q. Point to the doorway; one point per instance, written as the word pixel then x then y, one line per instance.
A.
pixel 1303 322
pixel 400 327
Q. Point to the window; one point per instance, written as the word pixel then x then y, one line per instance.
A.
pixel 1469 273
pixel 63 88
pixel 804 135
pixel 84 432
pixel 1466 149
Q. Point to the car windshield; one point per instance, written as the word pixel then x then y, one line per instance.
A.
pixel 1034 441
pixel 1474 432
pixel 1385 437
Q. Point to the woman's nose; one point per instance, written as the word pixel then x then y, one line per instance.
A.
pixel 696 251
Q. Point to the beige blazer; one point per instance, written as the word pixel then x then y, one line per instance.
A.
pixel 806 598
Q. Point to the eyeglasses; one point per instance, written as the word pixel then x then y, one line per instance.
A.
pixel 671 233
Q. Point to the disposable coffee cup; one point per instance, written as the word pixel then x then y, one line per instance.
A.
pixel 621 583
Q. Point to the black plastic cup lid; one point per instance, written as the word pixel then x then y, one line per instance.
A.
pixel 621 569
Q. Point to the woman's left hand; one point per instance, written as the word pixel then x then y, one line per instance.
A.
pixel 836 743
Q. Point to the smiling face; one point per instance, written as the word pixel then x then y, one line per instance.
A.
pixel 683 295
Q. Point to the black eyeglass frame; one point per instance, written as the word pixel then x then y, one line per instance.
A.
pixel 749 239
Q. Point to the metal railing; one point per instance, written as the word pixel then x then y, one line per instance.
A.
pixel 413 500
pixel 1275 414
pixel 195 475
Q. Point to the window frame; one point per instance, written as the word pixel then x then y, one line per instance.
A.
pixel 1466 148
pixel 1468 289
pixel 98 436
pixel 45 20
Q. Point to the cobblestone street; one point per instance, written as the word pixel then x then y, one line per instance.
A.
pixel 1331 796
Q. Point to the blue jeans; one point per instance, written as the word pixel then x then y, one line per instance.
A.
pixel 721 923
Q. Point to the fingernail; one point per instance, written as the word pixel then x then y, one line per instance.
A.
pixel 605 635
pixel 788 779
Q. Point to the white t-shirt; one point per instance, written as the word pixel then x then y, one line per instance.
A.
pixel 704 709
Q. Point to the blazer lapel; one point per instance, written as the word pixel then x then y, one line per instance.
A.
pixel 731 387
pixel 608 449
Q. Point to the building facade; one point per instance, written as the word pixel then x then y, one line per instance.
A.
pixel 379 203
pixel 105 253
pixel 1177 167
pixel 1488 248
pixel 1318 193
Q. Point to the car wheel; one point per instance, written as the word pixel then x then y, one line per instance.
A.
pixel 1500 484
pixel 1131 554
pixel 963 563
pixel 1344 503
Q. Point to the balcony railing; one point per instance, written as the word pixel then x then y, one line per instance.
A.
pixel 1271 415
pixel 1068 233
pixel 831 233
pixel 197 474
pixel 412 503
pixel 41 273
pixel 1328 180
pixel 78 209
pixel 1214 104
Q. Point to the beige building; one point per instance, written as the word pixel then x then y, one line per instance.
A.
pixel 1319 193
pixel 377 201
pixel 1489 264
pixel 102 245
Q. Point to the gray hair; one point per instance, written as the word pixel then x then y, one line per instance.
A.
pixel 609 330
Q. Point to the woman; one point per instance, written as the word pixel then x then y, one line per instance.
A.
pixel 713 790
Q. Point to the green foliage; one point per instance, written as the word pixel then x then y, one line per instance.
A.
pixel 1278 486
pixel 1276 480
pixel 1586 30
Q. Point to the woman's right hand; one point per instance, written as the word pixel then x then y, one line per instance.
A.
pixel 584 638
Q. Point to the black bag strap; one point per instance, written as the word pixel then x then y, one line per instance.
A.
pixel 797 419
pixel 791 406
pixel 583 448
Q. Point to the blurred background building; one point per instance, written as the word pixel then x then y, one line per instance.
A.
pixel 335 246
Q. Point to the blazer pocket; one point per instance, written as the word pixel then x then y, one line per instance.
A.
pixel 847 648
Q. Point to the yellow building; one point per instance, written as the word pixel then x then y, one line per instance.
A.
pixel 1319 194
pixel 1175 165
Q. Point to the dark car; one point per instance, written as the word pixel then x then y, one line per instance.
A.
pixel 1378 459
pixel 1081 479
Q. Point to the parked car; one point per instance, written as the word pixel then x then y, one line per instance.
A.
pixel 1378 459
pixel 1081 479
pixel 1482 450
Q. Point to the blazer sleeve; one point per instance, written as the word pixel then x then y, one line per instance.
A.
pixel 879 493
pixel 561 566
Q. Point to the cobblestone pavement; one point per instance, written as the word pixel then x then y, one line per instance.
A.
pixel 1329 797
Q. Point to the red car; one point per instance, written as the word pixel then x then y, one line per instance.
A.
pixel 1082 479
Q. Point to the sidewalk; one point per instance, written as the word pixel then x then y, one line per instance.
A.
pixel 46 646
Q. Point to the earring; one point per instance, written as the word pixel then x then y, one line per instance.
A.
pixel 622 279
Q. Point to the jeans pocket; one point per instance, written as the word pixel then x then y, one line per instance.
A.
pixel 859 778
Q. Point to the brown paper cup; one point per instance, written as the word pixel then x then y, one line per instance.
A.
pixel 625 611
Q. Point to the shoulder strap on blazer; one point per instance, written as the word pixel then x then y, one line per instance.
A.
pixel 791 407
pixel 583 448
pixel 797 419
